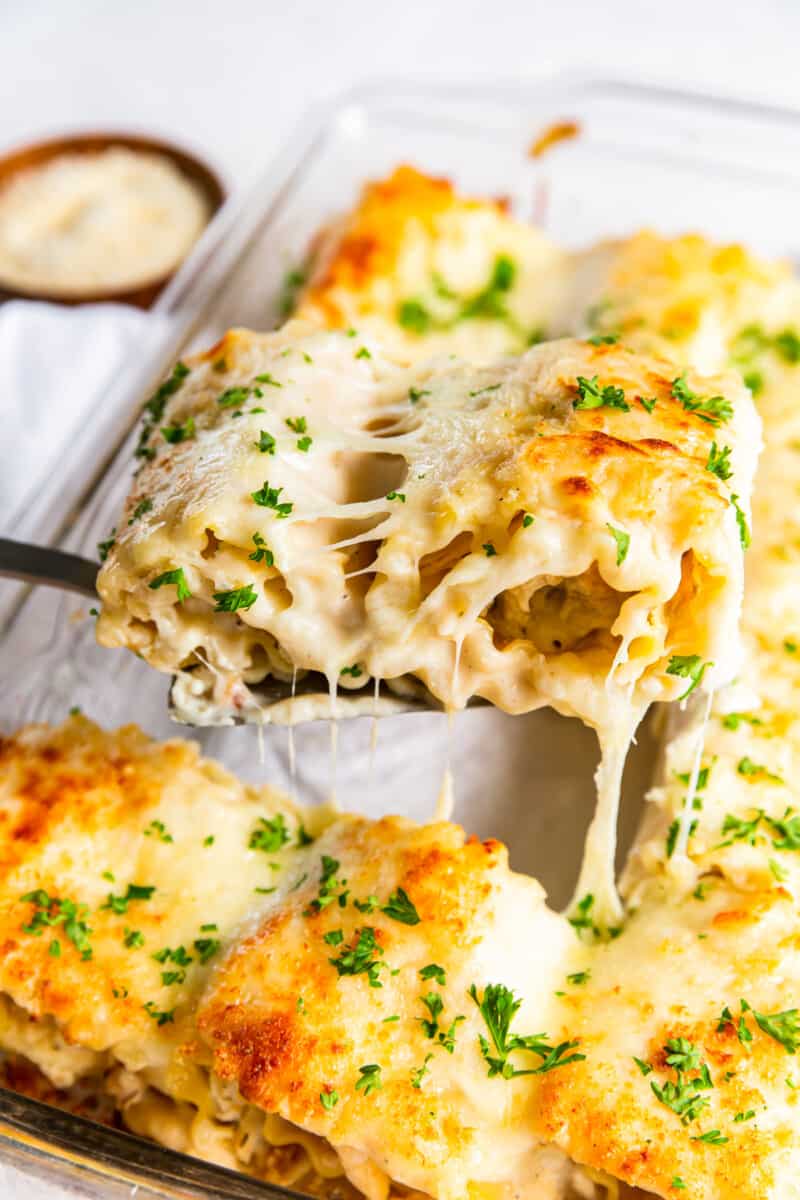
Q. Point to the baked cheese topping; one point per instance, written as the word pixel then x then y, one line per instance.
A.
pixel 426 271
pixel 88 223
pixel 561 529
pixel 255 990
pixel 356 1004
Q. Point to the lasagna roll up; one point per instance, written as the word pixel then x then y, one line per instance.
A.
pixel 428 271
pixel 556 529
pixel 259 986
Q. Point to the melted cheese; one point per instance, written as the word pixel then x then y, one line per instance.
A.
pixel 464 542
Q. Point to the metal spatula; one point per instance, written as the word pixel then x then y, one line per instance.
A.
pixel 274 701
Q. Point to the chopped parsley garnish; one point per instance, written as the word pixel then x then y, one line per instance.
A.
pixel 430 1024
pixel 416 394
pixel 261 553
pixel 175 576
pixel 209 841
pixel 268 497
pixel 270 380
pixel 647 403
pixel 135 891
pixel 234 397
pixel 783 1027
pixel 297 424
pixel 711 1137
pixel 329 1100
pixel 145 505
pixel 719 461
pixel 419 1073
pixel 54 949
pixel 780 873
pixel 682 1094
pixel 133 938
pixel 270 835
pixel 677 1183
pixel 734 720
pixel 293 281
pixel 363 352
pixel 401 496
pixel 527 521
pixel 265 443
pixel 361 957
pixel 688 666
pixel 449 308
pixel 498 1007
pixel 206 948
pixel 603 339
pixel 334 937
pixel 370 1080
pixel 414 316
pixel 242 597
pixel 400 908
pixel 489 550
pixel 582 918
pixel 623 541
pixel 160 1017
pixel 158 830
pixel 179 433
pixel 750 769
pixel 591 395
pixel 712 409
pixel 328 885
pixel 155 406
pixel 787 345
pixel 49 912
pixel 434 971
pixel 104 548
pixel 790 646
pixel 180 958
pixel 745 1116
pixel 741 829
pixel 304 443
pixel 355 671
pixel 644 1067
pixel 741 521
pixel 579 977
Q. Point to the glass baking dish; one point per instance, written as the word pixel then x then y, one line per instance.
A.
pixel 642 157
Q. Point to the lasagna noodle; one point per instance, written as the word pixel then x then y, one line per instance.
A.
pixel 148 867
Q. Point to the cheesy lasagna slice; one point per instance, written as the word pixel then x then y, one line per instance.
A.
pixel 253 989
pixel 564 528
pixel 427 271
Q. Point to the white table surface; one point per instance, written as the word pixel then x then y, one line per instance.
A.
pixel 232 78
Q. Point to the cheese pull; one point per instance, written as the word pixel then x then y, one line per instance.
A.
pixel 560 529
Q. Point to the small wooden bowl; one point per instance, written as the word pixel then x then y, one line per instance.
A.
pixel 143 294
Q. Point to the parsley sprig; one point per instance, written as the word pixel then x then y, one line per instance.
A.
pixel 498 1007
pixel 684 1094
pixel 714 410
pixel 592 395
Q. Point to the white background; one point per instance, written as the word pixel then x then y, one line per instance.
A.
pixel 232 77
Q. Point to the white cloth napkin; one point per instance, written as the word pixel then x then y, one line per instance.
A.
pixel 54 364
